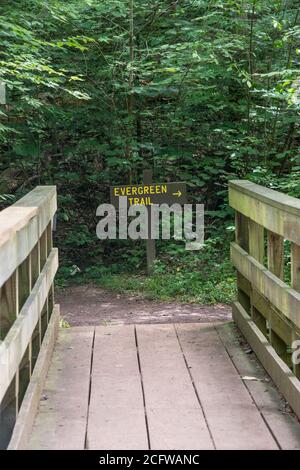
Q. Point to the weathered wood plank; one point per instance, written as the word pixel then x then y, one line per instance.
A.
pixel 256 250
pixel 14 219
pixel 268 196
pixel 15 343
pixel 35 263
pixel 242 239
pixel 282 375
pixel 233 419
pixel 49 237
pixel 7 415
pixel 24 375
pixel 21 226
pixel 24 281
pixel 287 300
pixel 175 417
pixel 276 325
pixel 242 230
pixel 285 427
pixel 280 324
pixel 43 248
pixel 275 254
pixel 256 241
pixel 23 427
pixel 9 304
pixel 63 409
pixel 44 200
pixel 116 417
pixel 244 291
pixel 295 266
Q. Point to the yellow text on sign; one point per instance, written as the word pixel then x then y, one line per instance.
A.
pixel 141 190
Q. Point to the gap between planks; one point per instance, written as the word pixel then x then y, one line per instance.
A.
pixel 195 388
pixel 143 389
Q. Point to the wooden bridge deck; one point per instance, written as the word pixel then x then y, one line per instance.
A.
pixel 167 386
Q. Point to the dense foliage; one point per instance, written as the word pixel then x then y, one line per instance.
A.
pixel 199 90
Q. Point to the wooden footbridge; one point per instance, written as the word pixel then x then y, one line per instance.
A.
pixel 166 386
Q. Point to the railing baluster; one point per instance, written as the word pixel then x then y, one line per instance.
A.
pixel 295 282
pixel 276 266
pixel 8 304
pixel 242 239
pixel 295 266
pixel 257 251
pixel 241 230
pixel 275 254
pixel 256 241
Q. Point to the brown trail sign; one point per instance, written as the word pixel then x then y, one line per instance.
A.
pixel 147 194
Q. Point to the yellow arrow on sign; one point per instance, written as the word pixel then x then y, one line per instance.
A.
pixel 178 194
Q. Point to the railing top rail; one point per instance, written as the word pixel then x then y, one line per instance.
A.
pixel 21 226
pixel 268 196
pixel 15 217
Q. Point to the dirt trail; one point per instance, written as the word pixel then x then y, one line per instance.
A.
pixel 89 305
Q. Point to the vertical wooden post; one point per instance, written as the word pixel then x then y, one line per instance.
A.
pixel 2 93
pixel 150 244
pixel 35 263
pixel 43 249
pixel 9 304
pixel 295 266
pixel 241 231
pixel 242 239
pixel 276 266
pixel 24 273
pixel 256 241
pixel 295 282
pixel 257 250
pixel 50 299
pixel 9 310
pixel 23 374
pixel 275 254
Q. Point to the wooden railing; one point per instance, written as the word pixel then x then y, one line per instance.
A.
pixel 28 263
pixel 268 307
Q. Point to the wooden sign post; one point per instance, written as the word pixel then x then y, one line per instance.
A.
pixel 150 243
pixel 147 194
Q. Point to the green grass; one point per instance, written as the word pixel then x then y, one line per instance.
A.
pixel 204 277
pixel 178 287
